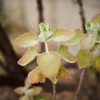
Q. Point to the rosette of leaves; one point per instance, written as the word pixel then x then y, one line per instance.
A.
pixel 48 62
pixel 28 92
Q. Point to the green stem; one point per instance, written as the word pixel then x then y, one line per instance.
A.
pixel 46 47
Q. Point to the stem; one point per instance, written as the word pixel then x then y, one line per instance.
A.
pixel 80 83
pixel 46 47
pixel 54 92
pixel 54 86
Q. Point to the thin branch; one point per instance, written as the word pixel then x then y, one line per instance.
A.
pixel 40 10
pixel 83 20
pixel 54 92
pixel 79 85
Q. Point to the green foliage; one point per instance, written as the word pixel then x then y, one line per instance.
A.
pixel 87 41
pixel 90 66
pixel 98 35
pixel 84 58
pixel 76 39
pixel 28 92
pixel 96 19
pixel 45 33
pixel 94 47
pixel 42 97
pixel 91 26
pixel 65 55
pixel 49 65
pixel 63 35
pixel 28 57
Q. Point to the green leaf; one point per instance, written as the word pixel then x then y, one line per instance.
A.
pixel 97 63
pixel 37 90
pixel 44 32
pixel 20 90
pixel 49 64
pixel 87 25
pixel 94 47
pixel 91 26
pixel 98 35
pixel 28 57
pixel 90 66
pixel 29 92
pixel 75 40
pixel 63 74
pixel 24 98
pixel 84 58
pixel 42 97
pixel 65 55
pixel 27 40
pixel 96 19
pixel 87 42
pixel 36 76
pixel 63 35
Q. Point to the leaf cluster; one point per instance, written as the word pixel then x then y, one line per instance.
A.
pixel 49 63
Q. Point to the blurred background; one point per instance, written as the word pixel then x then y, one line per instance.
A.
pixel 21 16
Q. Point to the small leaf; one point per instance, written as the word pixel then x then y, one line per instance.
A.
pixel 94 47
pixel 90 66
pixel 96 19
pixel 37 90
pixel 29 92
pixel 24 98
pixel 63 74
pixel 28 57
pixel 27 40
pixel 97 63
pixel 87 42
pixel 20 90
pixel 44 32
pixel 35 76
pixel 65 55
pixel 98 35
pixel 75 40
pixel 63 35
pixel 42 97
pixel 91 26
pixel 84 58
pixel 49 63
pixel 87 25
